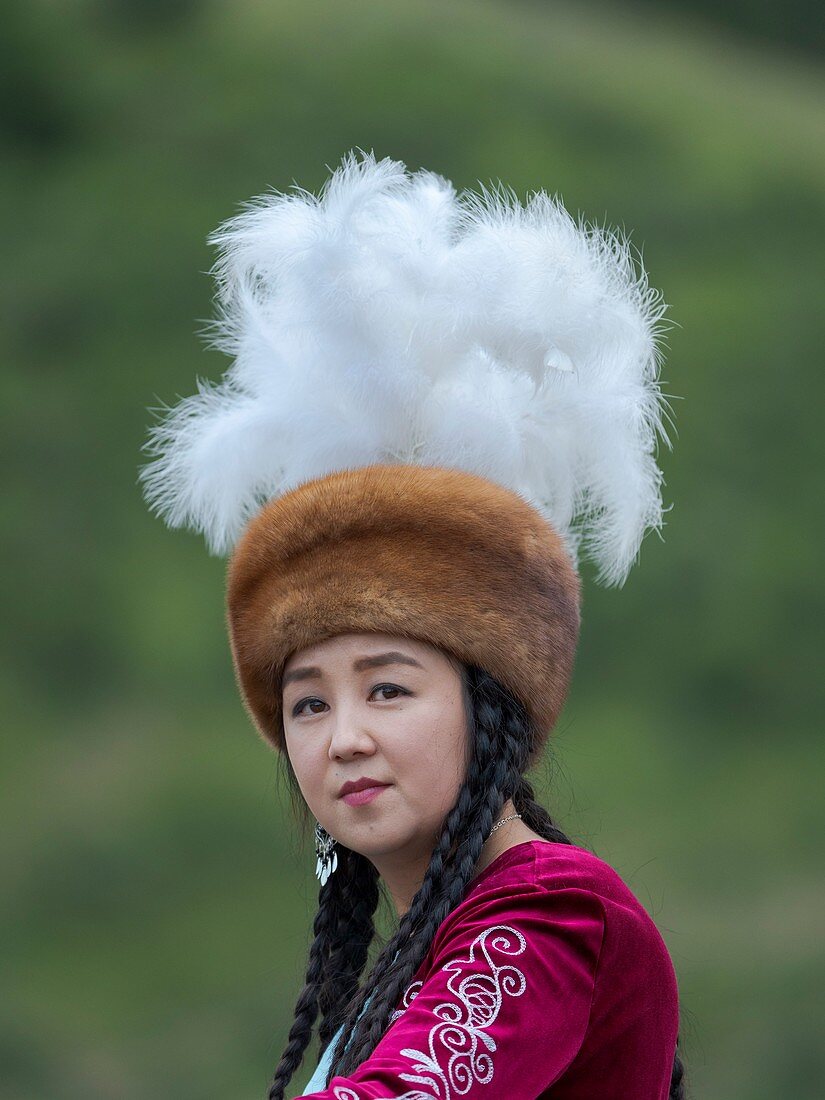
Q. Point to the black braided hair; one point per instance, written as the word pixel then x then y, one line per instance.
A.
pixel 499 747
pixel 350 940
pixel 343 930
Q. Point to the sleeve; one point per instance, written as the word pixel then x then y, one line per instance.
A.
pixel 503 1008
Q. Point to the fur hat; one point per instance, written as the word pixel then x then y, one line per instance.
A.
pixel 421 552
pixel 437 402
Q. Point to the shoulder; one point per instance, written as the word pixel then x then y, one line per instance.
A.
pixel 559 892
pixel 546 867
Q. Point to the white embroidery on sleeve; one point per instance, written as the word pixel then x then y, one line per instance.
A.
pixel 347 1094
pixel 461 1036
pixel 406 1000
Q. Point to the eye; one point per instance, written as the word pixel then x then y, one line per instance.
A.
pixel 296 710
pixel 389 687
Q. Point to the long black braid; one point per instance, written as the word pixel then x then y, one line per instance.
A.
pixel 343 930
pixel 349 941
pixel 499 745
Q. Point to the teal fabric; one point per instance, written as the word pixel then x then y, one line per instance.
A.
pixel 318 1081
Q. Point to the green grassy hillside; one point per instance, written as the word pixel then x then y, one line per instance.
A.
pixel 157 899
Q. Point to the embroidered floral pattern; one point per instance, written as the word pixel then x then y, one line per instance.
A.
pixel 347 1094
pixel 459 1050
pixel 406 1000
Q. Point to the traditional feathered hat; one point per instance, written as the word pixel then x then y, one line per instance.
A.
pixel 437 402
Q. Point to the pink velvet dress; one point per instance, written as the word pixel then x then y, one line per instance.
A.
pixel 549 980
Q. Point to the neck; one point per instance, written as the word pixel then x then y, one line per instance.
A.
pixel 403 873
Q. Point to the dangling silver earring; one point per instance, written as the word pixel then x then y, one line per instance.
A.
pixel 325 851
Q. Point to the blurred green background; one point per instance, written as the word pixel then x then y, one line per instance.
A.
pixel 156 898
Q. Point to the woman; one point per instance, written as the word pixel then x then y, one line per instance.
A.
pixel 435 402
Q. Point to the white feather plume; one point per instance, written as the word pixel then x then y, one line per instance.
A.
pixel 390 319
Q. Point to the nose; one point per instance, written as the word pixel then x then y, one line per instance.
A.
pixel 349 735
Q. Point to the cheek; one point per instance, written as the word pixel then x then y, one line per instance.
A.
pixel 308 765
pixel 435 754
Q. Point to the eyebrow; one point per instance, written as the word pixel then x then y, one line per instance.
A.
pixel 380 659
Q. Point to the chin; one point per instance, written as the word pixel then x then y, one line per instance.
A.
pixel 412 846
pixel 375 846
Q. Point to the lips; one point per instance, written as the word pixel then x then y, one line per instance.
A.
pixel 360 784
pixel 366 794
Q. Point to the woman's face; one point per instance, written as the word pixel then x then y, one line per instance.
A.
pixel 385 708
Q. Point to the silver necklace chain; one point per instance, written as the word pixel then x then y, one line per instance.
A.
pixel 500 823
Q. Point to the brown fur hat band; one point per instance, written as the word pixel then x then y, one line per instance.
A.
pixel 438 555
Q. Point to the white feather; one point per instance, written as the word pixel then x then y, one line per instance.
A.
pixel 390 319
